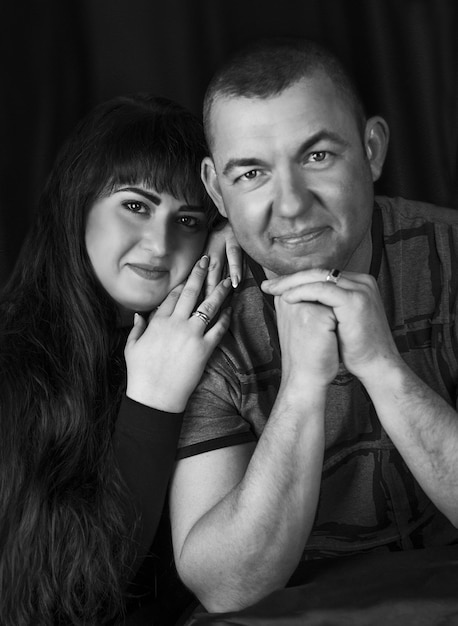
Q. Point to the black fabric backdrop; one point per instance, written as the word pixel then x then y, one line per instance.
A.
pixel 59 58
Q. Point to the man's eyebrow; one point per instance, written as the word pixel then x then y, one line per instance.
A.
pixel 242 162
pixel 320 135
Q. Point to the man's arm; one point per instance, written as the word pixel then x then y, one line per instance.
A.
pixel 241 517
pixel 422 426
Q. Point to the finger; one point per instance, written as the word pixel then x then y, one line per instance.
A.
pixel 215 269
pixel 210 306
pixel 328 294
pixel 277 286
pixel 234 261
pixel 137 330
pixel 346 280
pixel 192 289
pixel 152 314
pixel 167 307
pixel 216 332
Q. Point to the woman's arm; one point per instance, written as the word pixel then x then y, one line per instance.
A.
pixel 165 357
pixel 144 443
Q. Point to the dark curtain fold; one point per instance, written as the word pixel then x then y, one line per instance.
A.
pixel 45 90
pixel 61 58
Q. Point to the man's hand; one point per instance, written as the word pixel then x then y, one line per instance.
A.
pixel 364 336
pixel 308 343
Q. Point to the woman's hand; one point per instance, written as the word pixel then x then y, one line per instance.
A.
pixel 224 252
pixel 166 356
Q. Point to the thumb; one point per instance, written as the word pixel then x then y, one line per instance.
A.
pixel 137 329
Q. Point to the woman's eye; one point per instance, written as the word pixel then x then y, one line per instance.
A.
pixel 135 206
pixel 188 221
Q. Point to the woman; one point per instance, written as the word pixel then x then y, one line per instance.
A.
pixel 89 404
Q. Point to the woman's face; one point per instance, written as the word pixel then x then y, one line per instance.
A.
pixel 142 244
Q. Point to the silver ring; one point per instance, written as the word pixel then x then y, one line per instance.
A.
pixel 202 316
pixel 334 276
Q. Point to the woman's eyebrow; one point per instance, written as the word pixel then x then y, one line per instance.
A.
pixel 191 208
pixel 155 199
pixel 194 208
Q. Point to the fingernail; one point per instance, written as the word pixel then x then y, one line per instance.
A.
pixel 136 316
pixel 227 282
pixel 235 282
pixel 204 261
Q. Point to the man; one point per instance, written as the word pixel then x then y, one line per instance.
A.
pixel 325 424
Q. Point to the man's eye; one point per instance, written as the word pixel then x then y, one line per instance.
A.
pixel 249 175
pixel 135 206
pixel 317 157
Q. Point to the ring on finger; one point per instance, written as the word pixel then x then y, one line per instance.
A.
pixel 334 276
pixel 202 316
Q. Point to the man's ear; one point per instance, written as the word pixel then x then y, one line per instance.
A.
pixel 376 137
pixel 210 180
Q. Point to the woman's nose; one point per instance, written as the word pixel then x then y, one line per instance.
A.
pixel 155 238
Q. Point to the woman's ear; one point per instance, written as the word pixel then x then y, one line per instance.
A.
pixel 376 137
pixel 210 180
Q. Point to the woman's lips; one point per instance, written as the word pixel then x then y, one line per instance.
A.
pixel 149 272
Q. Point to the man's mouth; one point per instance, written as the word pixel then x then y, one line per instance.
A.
pixel 304 237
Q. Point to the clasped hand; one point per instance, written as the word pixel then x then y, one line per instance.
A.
pixel 364 339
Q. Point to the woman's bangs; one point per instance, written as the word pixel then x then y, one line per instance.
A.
pixel 148 159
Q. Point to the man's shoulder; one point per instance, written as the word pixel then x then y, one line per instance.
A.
pixel 248 301
pixel 252 332
pixel 400 213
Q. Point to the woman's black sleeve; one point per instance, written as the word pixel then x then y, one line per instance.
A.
pixel 145 442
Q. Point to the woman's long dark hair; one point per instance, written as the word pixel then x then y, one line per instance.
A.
pixel 64 539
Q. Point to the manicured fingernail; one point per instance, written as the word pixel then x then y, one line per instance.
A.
pixel 236 281
pixel 204 261
pixel 136 316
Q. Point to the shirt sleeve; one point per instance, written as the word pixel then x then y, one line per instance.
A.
pixel 145 442
pixel 213 417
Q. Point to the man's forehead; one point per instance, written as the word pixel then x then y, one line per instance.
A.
pixel 309 105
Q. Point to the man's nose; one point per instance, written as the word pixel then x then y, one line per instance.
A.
pixel 292 195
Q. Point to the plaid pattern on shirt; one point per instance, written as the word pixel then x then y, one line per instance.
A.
pixel 369 499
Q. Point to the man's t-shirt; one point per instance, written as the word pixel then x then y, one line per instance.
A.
pixel 369 499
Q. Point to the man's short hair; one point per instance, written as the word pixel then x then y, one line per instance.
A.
pixel 267 67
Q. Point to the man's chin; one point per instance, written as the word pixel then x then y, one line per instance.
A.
pixel 282 268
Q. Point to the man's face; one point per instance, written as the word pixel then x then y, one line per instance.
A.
pixel 292 175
